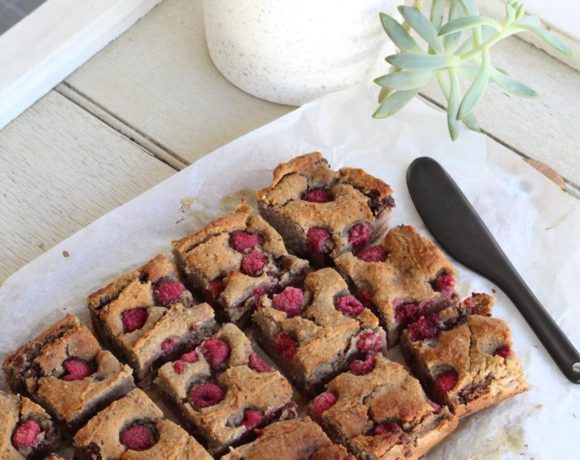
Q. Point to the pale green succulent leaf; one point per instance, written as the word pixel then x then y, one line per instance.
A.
pixel 412 61
pixel 384 93
pixel 475 93
pixel 469 7
pixel 437 13
pixel 548 38
pixel 420 24
pixel 404 80
pixel 471 122
pixel 394 102
pixel 531 21
pixel 453 105
pixel 399 35
pixel 468 22
pixel 450 41
pixel 511 85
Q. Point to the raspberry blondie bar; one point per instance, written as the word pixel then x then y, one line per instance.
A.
pixel 464 357
pixel 223 390
pixel 26 430
pixel 235 257
pixel 383 414
pixel 134 428
pixel 322 213
pixel 147 316
pixel 401 278
pixel 66 371
pixel 299 439
pixel 316 332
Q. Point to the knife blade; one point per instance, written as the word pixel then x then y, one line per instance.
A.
pixel 445 209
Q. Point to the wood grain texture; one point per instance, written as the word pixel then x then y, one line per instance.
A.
pixel 61 169
pixel 158 78
pixel 546 128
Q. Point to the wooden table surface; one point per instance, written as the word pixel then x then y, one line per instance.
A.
pixel 152 102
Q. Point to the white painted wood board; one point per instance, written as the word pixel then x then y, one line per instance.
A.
pixel 60 169
pixel 158 78
pixel 56 38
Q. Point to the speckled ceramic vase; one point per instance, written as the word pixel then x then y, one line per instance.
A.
pixel 292 51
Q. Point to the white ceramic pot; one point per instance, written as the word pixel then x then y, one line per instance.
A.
pixel 292 51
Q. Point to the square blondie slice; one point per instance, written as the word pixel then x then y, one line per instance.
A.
pixel 464 357
pixel 322 213
pixel 134 428
pixel 26 430
pixel 235 257
pixel 66 371
pixel 383 414
pixel 298 439
pixel 401 278
pixel 148 317
pixel 223 390
pixel 317 331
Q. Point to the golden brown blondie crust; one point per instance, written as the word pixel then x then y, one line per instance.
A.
pixel 322 321
pixel 65 370
pixel 26 430
pixel 147 316
pixel 234 256
pixel 299 439
pixel 464 357
pixel 306 194
pixel 134 428
pixel 383 414
pixel 223 390
pixel 401 278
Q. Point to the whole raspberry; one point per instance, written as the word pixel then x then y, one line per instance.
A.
pixel 426 327
pixel 214 289
pixel 359 235
pixel 369 342
pixel 407 312
pixel 349 304
pixel 168 292
pixel 205 395
pixel 190 357
pixel 137 437
pixel 373 254
pixel 389 427
pixel 216 352
pixel 445 284
pixel 134 319
pixel 317 195
pixel 258 364
pixel 253 263
pixel 322 403
pixel 243 241
pixel 504 351
pixel 252 418
pixel 290 301
pixel 362 367
pixel 76 369
pixel 178 367
pixel 26 435
pixel 168 345
pixel 469 303
pixel 446 381
pixel 286 346
pixel 317 238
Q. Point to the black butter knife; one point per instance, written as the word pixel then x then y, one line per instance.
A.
pixel 460 231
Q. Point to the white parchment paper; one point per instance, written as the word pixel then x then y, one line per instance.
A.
pixel 537 225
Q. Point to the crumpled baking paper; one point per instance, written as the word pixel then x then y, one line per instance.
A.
pixel 537 225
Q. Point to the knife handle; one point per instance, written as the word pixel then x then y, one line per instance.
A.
pixel 554 340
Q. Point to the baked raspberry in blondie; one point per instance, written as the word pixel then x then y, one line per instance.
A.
pixel 401 278
pixel 322 213
pixel 382 413
pixel 26 430
pixel 234 258
pixel 134 428
pixel 464 357
pixel 223 390
pixel 66 371
pixel 148 317
pixel 298 439
pixel 316 331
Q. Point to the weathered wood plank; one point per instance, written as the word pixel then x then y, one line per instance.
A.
pixel 60 169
